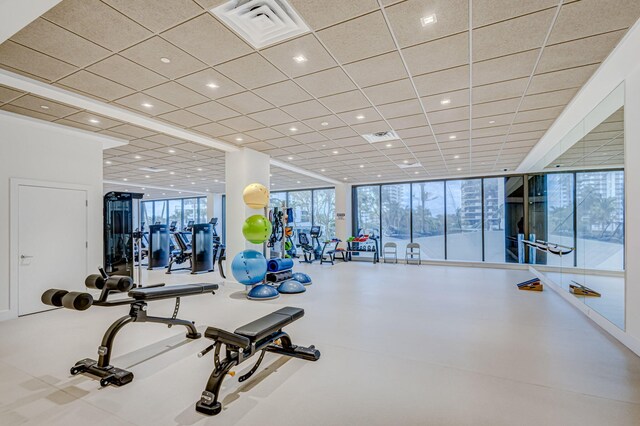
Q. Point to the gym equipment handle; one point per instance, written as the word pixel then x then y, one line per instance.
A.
pixel 23 256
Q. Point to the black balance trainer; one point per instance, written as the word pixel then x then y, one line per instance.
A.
pixel 138 298
pixel 264 334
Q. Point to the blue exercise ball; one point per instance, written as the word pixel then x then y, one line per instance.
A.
pixel 291 287
pixel 262 292
pixel 249 267
pixel 302 278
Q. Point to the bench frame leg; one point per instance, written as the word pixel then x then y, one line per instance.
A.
pixel 102 368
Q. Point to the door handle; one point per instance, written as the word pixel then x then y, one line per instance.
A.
pixel 22 256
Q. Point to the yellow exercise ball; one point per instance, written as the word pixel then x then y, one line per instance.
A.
pixel 256 196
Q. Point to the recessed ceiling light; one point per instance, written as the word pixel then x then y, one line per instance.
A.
pixel 273 184
pixel 148 195
pixel 215 180
pixel 405 161
pixel 239 139
pixel 126 190
pixel 143 188
pixel 322 170
pixel 389 145
pixel 165 60
pixel 452 137
pixel 94 121
pixel 456 156
pixel 212 85
pixel 459 168
pixel 179 192
pixel 199 169
pixel 324 123
pixel 360 117
pixel 172 151
pixel 164 193
pixel 193 183
pixel 147 105
pixel 379 175
pixel 125 179
pixel 298 181
pixel 188 176
pixel 324 145
pixel 415 173
pixel 137 157
pixel 44 107
pixel 293 129
pixel 429 19
pixel 344 178
pixel 270 174
pixel 172 173
pixel 207 189
pixel 300 59
pixel 445 101
pixel 492 121
pixel 107 162
pixel 171 185
pixel 147 176
pixel 202 179
pixel 335 152
pixel 289 158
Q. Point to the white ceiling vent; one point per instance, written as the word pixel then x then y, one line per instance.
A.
pixel 261 22
pixel 409 166
pixel 386 136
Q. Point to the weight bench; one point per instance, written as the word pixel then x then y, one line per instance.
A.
pixel 262 335
pixel 138 299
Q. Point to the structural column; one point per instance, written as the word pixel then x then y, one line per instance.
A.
pixel 242 167
pixel 343 211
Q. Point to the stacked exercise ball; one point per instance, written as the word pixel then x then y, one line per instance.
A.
pixel 302 278
pixel 249 267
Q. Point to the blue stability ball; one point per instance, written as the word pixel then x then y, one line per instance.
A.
pixel 262 292
pixel 302 278
pixel 249 267
pixel 291 287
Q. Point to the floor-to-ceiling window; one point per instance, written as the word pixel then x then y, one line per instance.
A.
pixel 367 209
pixel 493 219
pixel 324 211
pixel 159 212
pixel 309 207
pixel 300 202
pixel 277 199
pixel 395 213
pixel 600 220
pixel 175 212
pixel 180 210
pixel 464 219
pixel 560 208
pixel 428 218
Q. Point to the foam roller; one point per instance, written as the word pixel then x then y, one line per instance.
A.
pixel 77 301
pixel 94 281
pixel 119 283
pixel 276 277
pixel 277 265
pixel 53 297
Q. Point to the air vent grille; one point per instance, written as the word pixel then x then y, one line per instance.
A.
pixel 261 22
pixel 385 136
pixel 409 166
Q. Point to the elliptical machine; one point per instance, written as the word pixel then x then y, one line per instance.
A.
pixel 311 250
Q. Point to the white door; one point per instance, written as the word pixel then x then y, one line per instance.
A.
pixel 52 243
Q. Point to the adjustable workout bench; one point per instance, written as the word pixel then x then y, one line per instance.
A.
pixel 264 334
pixel 138 298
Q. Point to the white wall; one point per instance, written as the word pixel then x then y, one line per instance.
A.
pixel 343 207
pixel 34 149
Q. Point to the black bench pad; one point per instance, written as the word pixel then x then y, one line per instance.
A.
pixel 269 324
pixel 171 291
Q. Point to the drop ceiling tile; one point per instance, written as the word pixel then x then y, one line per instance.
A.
pixel 506 68
pixel 264 134
pixel 515 35
pixel 123 71
pixel 136 100
pixel 405 19
pixel 543 100
pixel 325 83
pixel 283 93
pixel 25 60
pixel 448 115
pixel 149 54
pixel 504 106
pixel 165 140
pixel 372 127
pixel 564 79
pixel 580 52
pixel 57 42
pixel 130 130
pixel 408 122
pixel 306 110
pixel 531 126
pixel 282 55
pixel 347 101
pixel 330 122
pixel 259 146
pixel 283 142
pixel 502 90
pixel 213 111
pixel 208 40
pixel 77 125
pixel 391 92
pixel 400 109
pixel 339 132
pixel 492 121
pixel 154 15
pixel 272 117
pixel 251 71
pixel 329 12
pixel 85 118
pixel 238 138
pixel 198 82
pixel 8 94
pixel 241 124
pixel 415 132
pixel 360 116
pixel 183 118
pixel 245 103
pixel 35 103
pixel 311 137
pixel 27 112
pixel 577 19
pixel 115 135
pixel 368 36
pixel 285 129
pixel 437 55
pixel 95 21
pixel 94 85
pixel 175 94
pixel 377 70
pixel 550 113
pixel 455 99
pixel 444 81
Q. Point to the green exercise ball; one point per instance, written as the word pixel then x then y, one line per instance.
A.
pixel 256 229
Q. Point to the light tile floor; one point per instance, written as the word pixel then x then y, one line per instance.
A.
pixel 401 345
